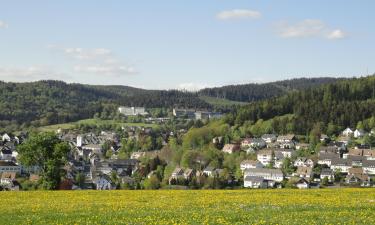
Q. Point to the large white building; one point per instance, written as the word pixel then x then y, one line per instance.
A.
pixel 267 174
pixel 132 111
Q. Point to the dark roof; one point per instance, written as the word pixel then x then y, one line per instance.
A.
pixel 7 163
pixel 6 151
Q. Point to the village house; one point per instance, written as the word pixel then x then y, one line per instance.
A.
pixel 347 132
pixel 287 153
pixel 250 164
pixel 304 172
pixel 327 158
pixel 265 156
pixel 267 174
pixel 178 173
pixel 300 146
pixel 278 159
pixel 327 172
pixel 7 178
pixel 6 154
pixel 269 138
pixel 323 138
pixel 231 148
pixel 254 182
pixel 253 142
pixel 103 182
pixel 369 167
pixel 357 176
pixel 303 161
pixel 369 154
pixel 302 183
pixel 341 165
pixel 358 133
pixel 286 138
pixel 209 171
pixel 9 166
pixel 189 174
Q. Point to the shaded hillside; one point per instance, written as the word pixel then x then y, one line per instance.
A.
pixel 331 107
pixel 256 92
pixel 51 102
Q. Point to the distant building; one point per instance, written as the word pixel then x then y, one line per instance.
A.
pixel 132 111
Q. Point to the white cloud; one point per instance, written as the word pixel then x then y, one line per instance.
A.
pixel 20 74
pixel 336 34
pixel 3 24
pixel 106 69
pixel 98 61
pixel 238 14
pixel 309 28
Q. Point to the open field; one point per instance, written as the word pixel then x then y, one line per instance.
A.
pixel 91 122
pixel 326 206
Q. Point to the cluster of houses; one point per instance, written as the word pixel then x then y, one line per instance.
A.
pixel 9 167
pixel 355 165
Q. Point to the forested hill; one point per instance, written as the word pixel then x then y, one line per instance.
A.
pixel 256 92
pixel 329 108
pixel 51 102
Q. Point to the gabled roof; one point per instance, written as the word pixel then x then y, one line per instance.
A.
pixel 254 179
pixel 326 171
pixel 249 162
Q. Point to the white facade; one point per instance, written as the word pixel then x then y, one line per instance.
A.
pixel 347 132
pixel 132 111
pixel 359 133
pixel 267 174
pixel 264 157
pixel 249 164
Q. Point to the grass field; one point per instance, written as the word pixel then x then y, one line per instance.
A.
pixel 91 122
pixel 325 206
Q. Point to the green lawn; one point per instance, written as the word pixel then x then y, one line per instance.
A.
pixel 92 122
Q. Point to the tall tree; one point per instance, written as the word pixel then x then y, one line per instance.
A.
pixel 48 153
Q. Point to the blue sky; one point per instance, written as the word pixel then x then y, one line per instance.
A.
pixel 184 44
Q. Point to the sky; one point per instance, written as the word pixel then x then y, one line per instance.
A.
pixel 189 45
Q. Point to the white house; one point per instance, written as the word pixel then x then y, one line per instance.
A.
pixel 177 173
pixel 269 138
pixel 341 165
pixel 369 167
pixel 287 153
pixel 327 158
pixel 267 174
pixel 209 171
pixel 358 133
pixel 265 156
pixel 103 182
pixel 326 172
pixel 347 132
pixel 302 184
pixel 250 164
pixel 286 138
pixel 254 182
pixel 132 111
pixel 302 161
pixel 6 138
